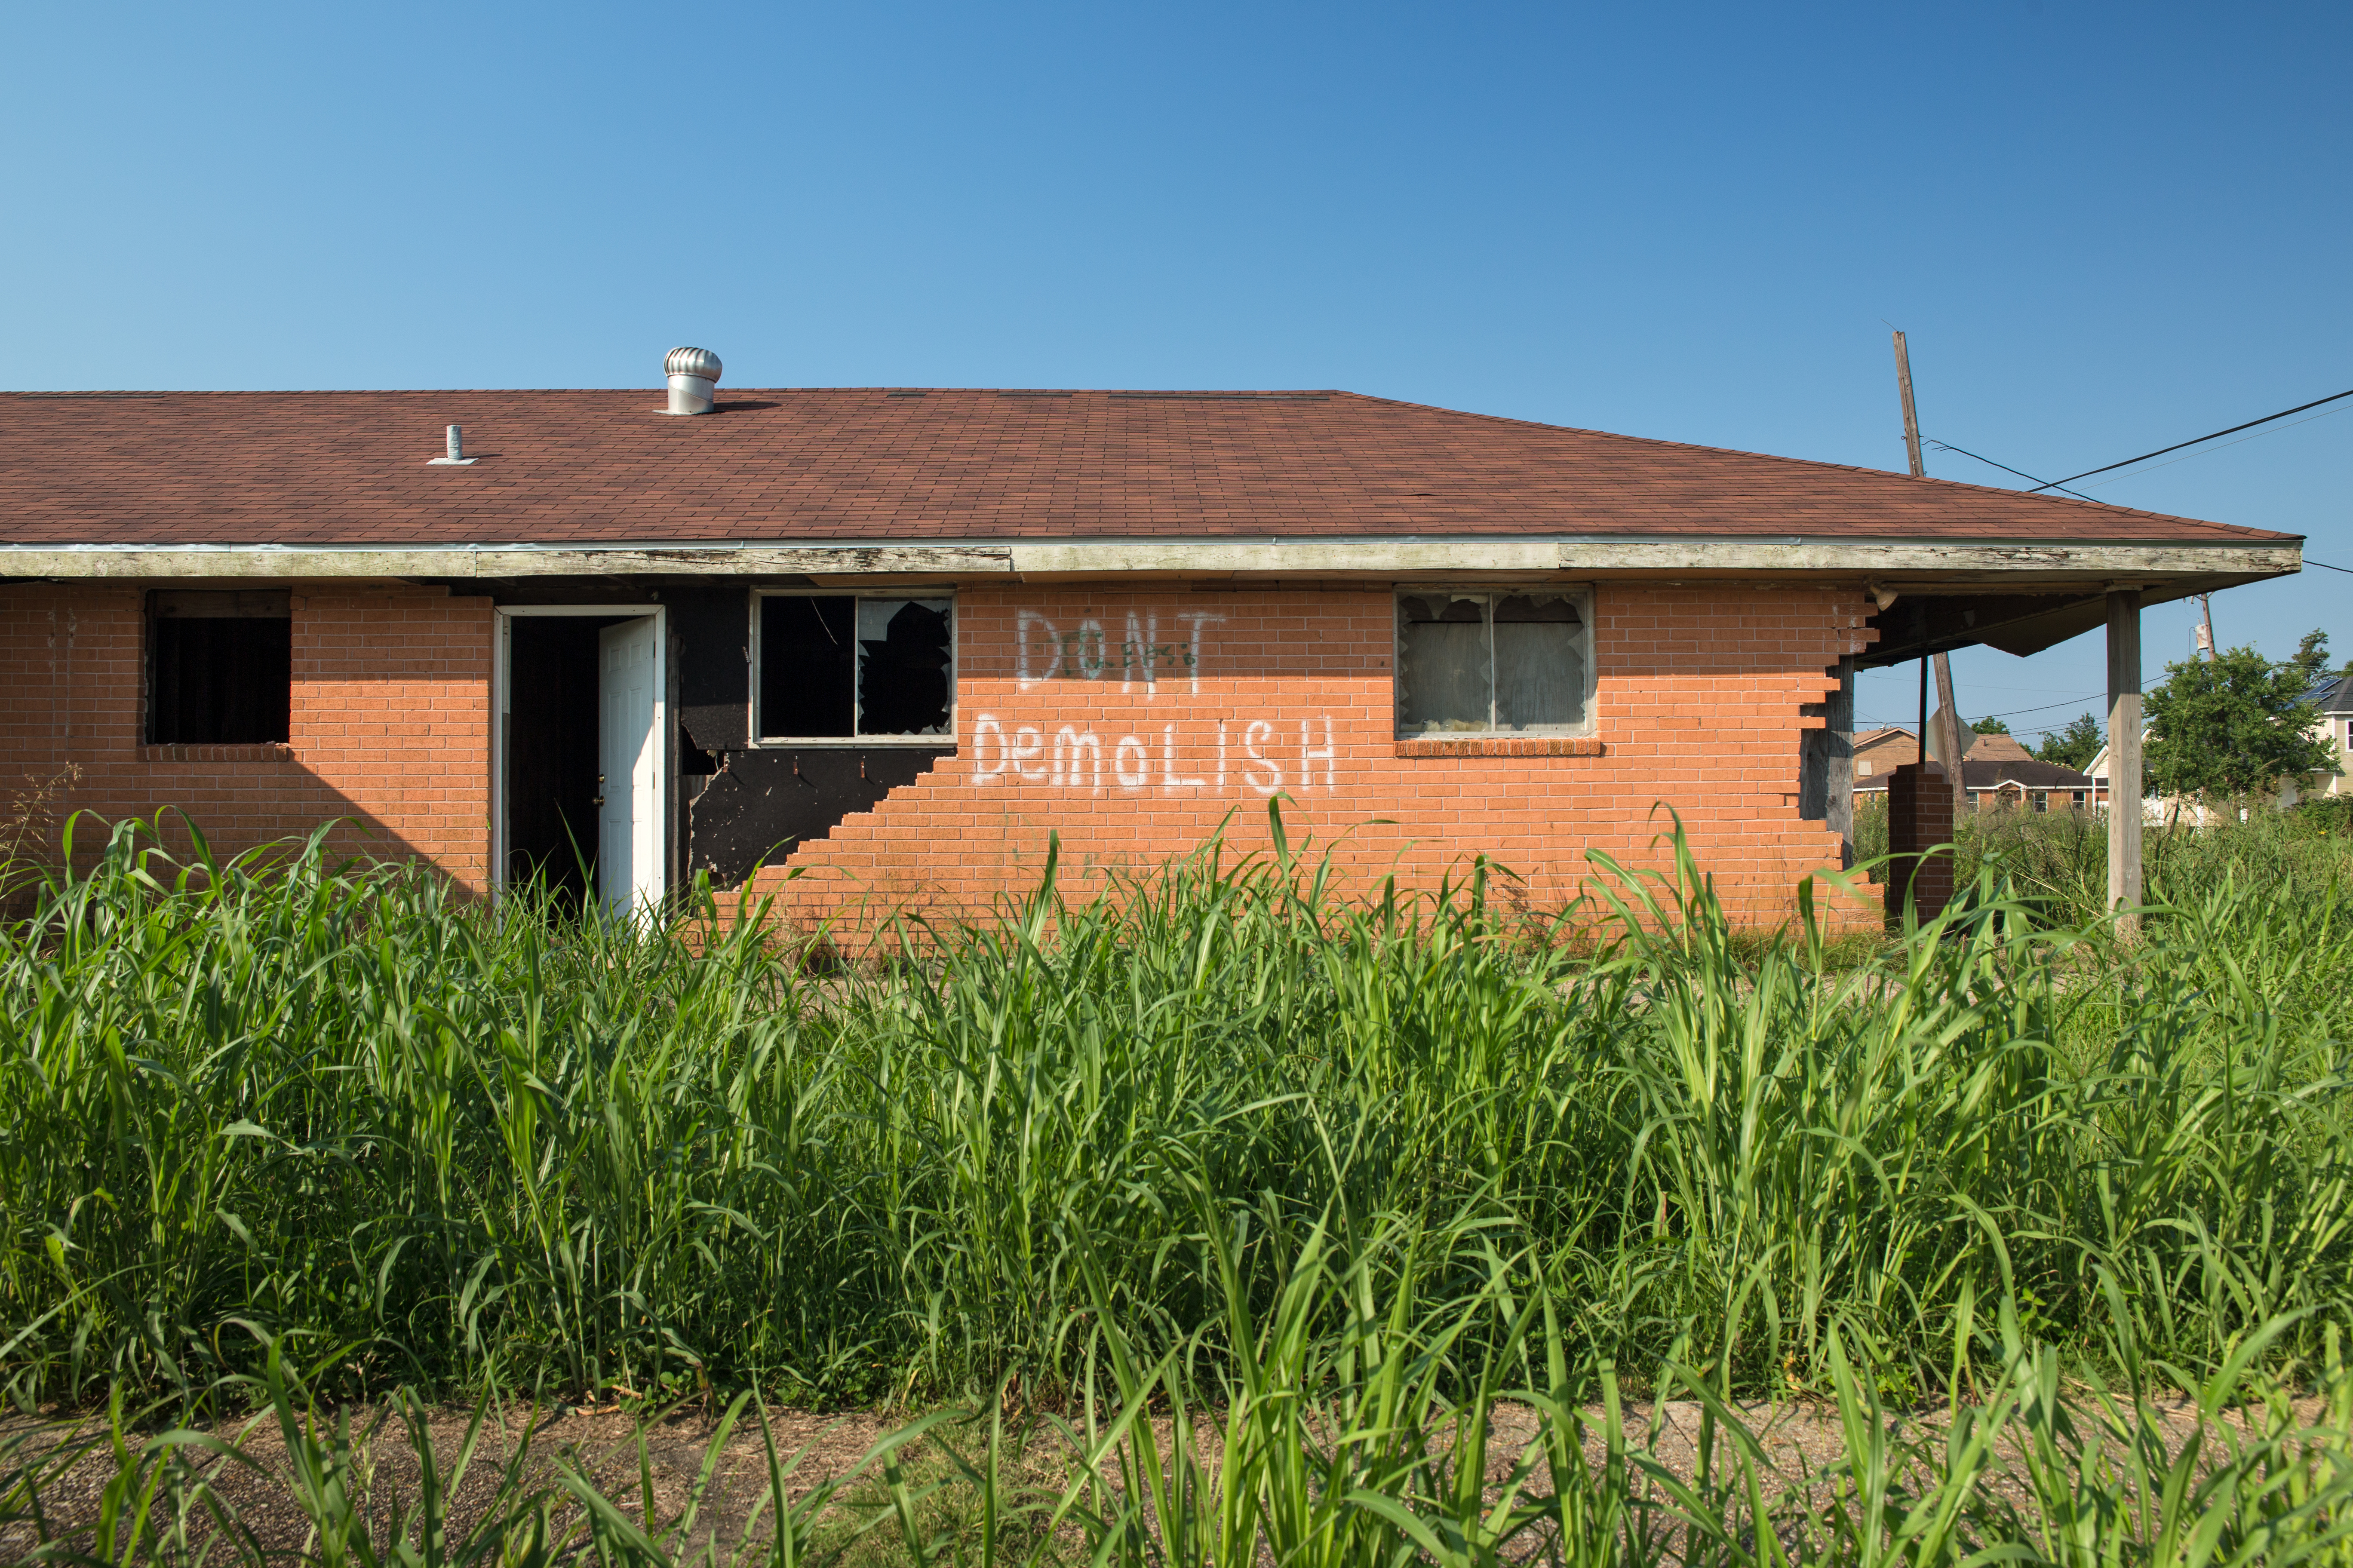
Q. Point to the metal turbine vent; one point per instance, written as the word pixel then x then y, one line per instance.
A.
pixel 693 380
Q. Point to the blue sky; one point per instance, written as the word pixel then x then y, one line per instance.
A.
pixel 2105 228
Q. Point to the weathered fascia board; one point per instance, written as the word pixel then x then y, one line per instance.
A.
pixel 491 562
pixel 1325 558
pixel 1890 558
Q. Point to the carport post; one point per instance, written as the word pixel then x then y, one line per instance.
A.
pixel 2124 750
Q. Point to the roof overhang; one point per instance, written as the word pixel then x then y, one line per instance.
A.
pixel 1933 595
pixel 1896 567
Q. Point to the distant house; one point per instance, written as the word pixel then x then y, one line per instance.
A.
pixel 2000 771
pixel 1996 771
pixel 1879 753
pixel 2332 720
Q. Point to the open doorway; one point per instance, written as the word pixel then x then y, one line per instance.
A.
pixel 582 775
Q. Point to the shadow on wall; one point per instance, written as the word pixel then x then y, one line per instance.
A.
pixel 39 806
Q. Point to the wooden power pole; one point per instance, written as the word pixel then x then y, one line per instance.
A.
pixel 1944 665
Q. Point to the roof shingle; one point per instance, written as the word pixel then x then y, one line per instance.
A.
pixel 850 464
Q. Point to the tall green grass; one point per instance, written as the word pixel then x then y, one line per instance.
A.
pixel 490 1148
pixel 1362 1423
pixel 2059 860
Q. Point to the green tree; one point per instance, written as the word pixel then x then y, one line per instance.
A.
pixel 2310 660
pixel 2233 725
pixel 2076 745
pixel 1991 727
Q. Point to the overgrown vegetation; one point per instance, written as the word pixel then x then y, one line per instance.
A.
pixel 2058 860
pixel 496 1149
pixel 1260 1204
pixel 1361 1422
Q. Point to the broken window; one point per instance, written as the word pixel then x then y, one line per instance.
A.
pixel 1491 663
pixel 220 669
pixel 842 667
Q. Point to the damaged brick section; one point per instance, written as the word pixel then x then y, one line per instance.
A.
pixel 763 804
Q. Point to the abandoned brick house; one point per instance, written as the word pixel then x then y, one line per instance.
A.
pixel 891 638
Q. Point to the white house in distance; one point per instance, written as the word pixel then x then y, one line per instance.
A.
pixel 2332 720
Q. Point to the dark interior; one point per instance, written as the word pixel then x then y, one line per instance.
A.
pixel 219 678
pixel 551 755
pixel 903 679
pixel 808 664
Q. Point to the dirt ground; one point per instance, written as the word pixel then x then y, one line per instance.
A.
pixel 1799 1441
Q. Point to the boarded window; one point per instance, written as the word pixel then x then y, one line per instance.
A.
pixel 1489 663
pixel 220 669
pixel 837 667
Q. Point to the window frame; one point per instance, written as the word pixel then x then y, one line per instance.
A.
pixel 1579 595
pixel 944 741
pixel 162 605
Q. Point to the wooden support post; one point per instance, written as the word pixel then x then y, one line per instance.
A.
pixel 2124 751
pixel 1839 785
pixel 1956 743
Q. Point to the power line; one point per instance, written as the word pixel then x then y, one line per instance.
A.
pixel 2005 467
pixel 2161 451
pixel 2225 446
pixel 2324 566
pixel 2015 712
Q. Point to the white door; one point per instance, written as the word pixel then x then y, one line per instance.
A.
pixel 629 760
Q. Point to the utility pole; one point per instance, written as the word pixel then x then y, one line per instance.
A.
pixel 1911 419
pixel 1944 665
pixel 2206 624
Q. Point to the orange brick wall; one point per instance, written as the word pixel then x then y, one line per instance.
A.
pixel 389 721
pixel 1698 705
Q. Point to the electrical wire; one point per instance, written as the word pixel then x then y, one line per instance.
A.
pixel 2005 467
pixel 2122 478
pixel 2014 712
pixel 2324 566
pixel 2161 451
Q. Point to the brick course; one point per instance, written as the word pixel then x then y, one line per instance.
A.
pixel 389 721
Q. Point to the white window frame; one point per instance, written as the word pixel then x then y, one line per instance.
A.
pixel 946 741
pixel 1578 594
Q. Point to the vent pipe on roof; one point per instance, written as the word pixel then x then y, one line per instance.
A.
pixel 693 380
pixel 456 458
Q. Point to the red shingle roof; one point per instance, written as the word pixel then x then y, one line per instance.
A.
pixel 859 463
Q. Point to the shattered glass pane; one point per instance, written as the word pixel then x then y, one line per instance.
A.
pixel 902 667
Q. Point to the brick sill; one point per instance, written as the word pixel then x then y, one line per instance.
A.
pixel 1503 746
pixel 263 752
